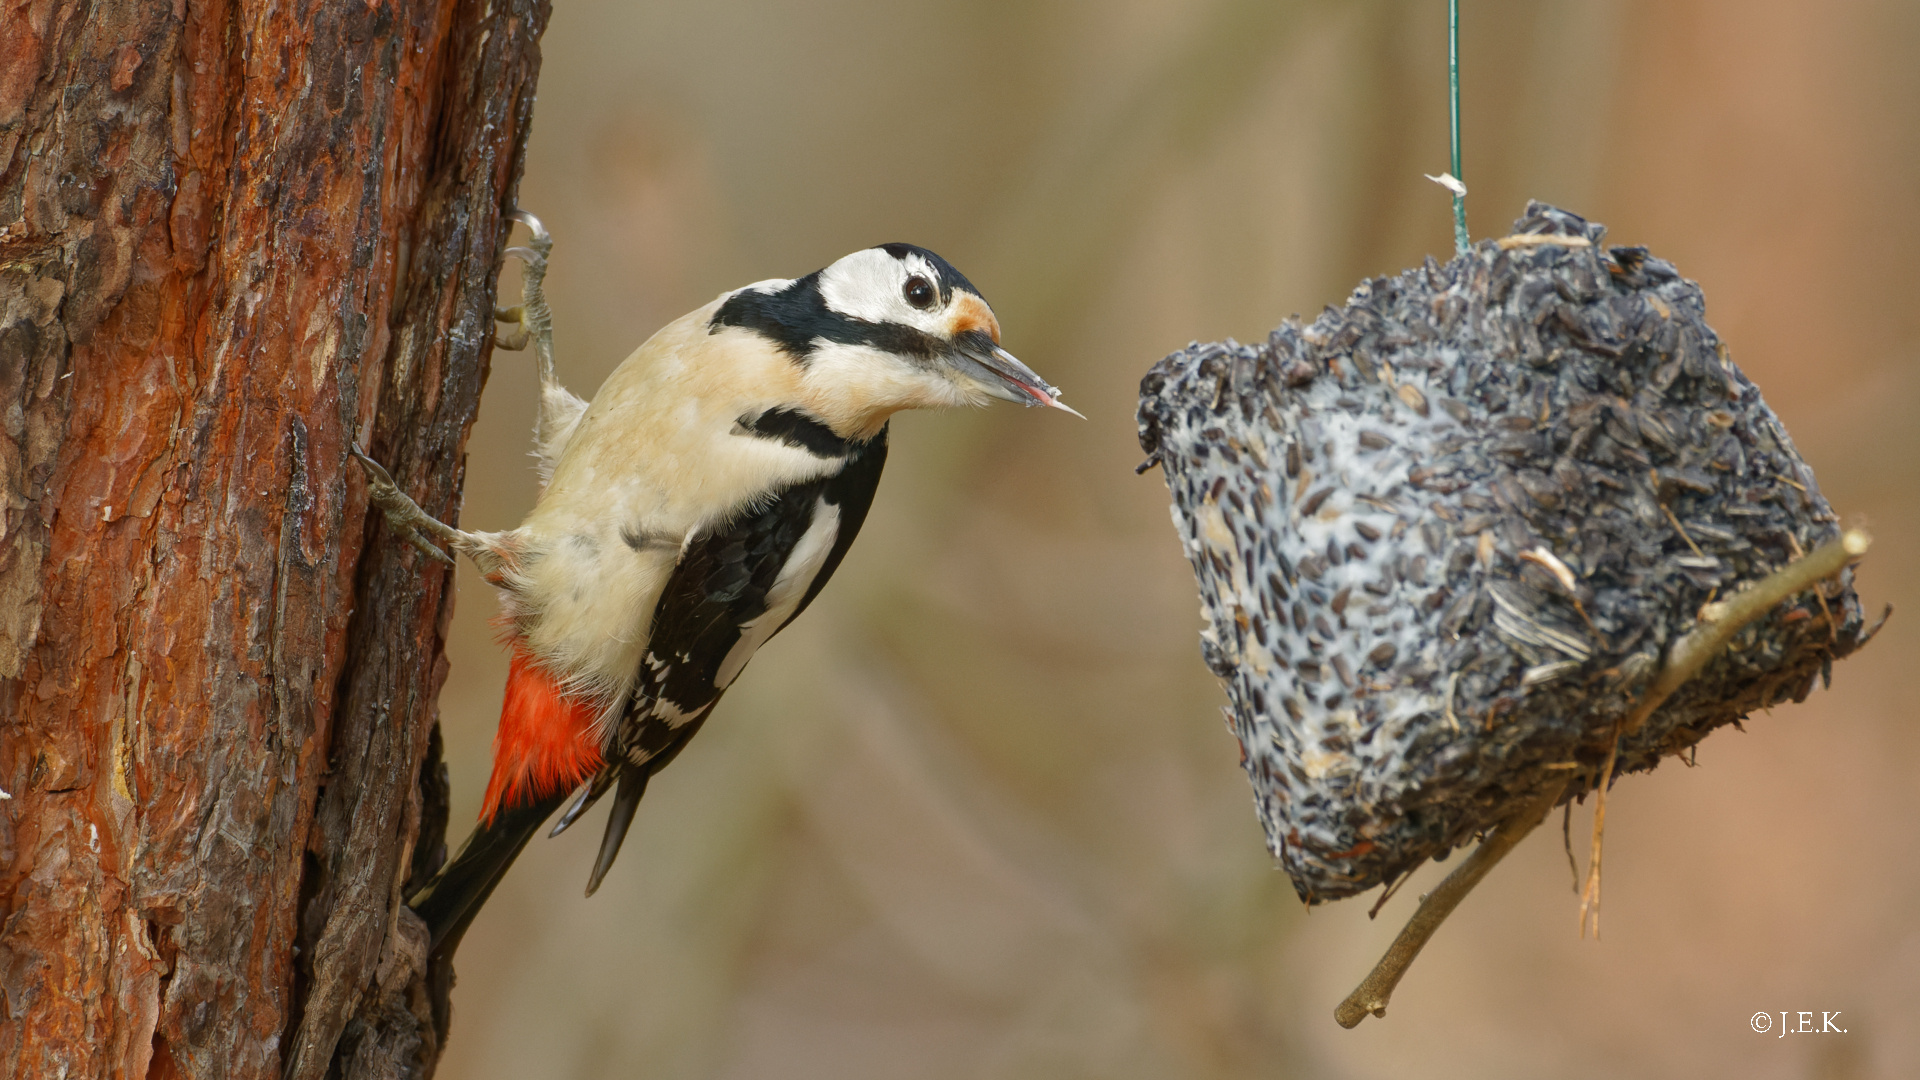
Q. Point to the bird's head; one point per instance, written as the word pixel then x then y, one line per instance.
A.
pixel 887 328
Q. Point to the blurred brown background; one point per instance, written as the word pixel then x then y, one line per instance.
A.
pixel 977 815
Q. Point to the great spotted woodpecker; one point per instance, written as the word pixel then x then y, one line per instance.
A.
pixel 687 514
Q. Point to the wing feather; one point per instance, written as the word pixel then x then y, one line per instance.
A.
pixel 732 590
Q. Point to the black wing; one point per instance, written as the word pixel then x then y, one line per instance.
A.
pixel 724 584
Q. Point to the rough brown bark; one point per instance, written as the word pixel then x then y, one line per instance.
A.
pixel 235 235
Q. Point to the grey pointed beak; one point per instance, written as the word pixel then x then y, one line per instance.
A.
pixel 978 357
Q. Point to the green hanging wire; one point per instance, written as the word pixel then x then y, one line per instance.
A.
pixel 1460 241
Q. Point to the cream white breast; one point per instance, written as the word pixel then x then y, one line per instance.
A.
pixel 655 459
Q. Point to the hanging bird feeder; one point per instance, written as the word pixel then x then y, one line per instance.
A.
pixel 1489 536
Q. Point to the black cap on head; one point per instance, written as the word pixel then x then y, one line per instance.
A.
pixel 950 278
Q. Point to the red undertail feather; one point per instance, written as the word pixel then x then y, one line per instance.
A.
pixel 545 742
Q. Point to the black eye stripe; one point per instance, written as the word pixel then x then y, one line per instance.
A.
pixel 796 317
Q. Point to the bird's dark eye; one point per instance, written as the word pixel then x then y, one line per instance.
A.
pixel 919 292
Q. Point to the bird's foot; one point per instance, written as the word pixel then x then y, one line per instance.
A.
pixel 530 321
pixel 511 334
pixel 404 516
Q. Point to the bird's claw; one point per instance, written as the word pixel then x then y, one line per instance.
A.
pixel 542 241
pixel 521 330
pixel 380 485
pixel 402 513
pixel 539 245
pixel 533 256
pixel 420 543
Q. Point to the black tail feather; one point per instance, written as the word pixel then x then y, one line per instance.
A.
pixel 449 902
pixel 589 795
pixel 633 784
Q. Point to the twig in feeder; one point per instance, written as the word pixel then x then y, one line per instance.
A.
pixel 1373 993
pixel 1392 889
pixel 1256 440
pixel 1518 240
pixel 1590 890
pixel 1718 622
pixel 1563 574
pixel 1681 529
pixel 1566 844
pixel 1833 632
pixel 1722 619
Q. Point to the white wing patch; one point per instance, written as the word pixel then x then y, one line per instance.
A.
pixel 670 712
pixel 802 566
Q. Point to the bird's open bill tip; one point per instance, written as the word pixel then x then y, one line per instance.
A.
pixel 1042 394
pixel 1056 403
pixel 1002 367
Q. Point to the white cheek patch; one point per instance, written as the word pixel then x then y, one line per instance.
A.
pixel 789 588
pixel 846 384
pixel 867 285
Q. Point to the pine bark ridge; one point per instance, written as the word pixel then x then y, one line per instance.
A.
pixel 235 238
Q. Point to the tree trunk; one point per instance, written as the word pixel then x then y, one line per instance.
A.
pixel 235 236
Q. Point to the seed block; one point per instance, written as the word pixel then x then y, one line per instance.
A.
pixel 1445 535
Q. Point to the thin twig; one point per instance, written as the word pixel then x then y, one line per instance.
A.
pixel 1719 621
pixel 1388 893
pixel 1566 844
pixel 1373 993
pixel 1681 529
pixel 1563 574
pixel 1590 892
pixel 1833 631
pixel 1722 619
pixel 1508 243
